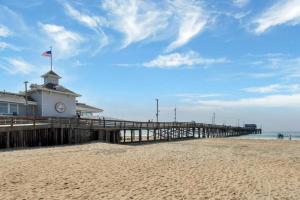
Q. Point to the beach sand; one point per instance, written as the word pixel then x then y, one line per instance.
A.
pixel 193 169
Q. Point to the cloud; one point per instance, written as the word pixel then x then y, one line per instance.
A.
pixel 4 31
pixel 142 20
pixel 283 12
pixel 4 45
pixel 176 60
pixel 292 100
pixel 285 66
pixel 290 68
pixel 91 21
pixel 274 88
pixel 240 3
pixel 198 95
pixel 137 20
pixel 14 21
pixel 66 43
pixel 260 75
pixel 191 98
pixel 191 19
pixel 16 65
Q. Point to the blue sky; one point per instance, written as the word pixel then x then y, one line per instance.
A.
pixel 238 58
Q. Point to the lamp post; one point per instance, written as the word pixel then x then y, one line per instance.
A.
pixel 213 120
pixel 26 99
pixel 175 113
pixel 157 110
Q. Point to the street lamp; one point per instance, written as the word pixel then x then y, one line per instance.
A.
pixel 175 113
pixel 157 110
pixel 26 98
pixel 213 120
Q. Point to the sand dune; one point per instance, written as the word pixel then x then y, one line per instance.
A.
pixel 194 169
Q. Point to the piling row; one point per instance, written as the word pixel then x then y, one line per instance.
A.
pixel 16 132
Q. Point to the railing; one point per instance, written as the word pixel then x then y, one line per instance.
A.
pixel 108 124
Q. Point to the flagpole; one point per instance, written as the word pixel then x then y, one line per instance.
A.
pixel 51 56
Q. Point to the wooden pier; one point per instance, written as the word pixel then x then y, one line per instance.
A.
pixel 30 132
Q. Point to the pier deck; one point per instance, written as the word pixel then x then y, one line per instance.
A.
pixel 29 132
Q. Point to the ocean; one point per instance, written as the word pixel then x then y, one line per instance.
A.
pixel 272 136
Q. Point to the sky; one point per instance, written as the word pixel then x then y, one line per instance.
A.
pixel 237 58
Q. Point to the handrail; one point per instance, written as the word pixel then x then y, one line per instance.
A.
pixel 11 120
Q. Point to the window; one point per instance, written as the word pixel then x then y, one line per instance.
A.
pixel 13 108
pixel 3 108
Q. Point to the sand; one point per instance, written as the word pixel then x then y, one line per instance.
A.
pixel 194 169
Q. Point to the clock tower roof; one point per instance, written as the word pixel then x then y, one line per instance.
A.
pixel 51 73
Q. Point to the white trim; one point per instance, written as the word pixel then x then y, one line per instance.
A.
pixel 29 102
pixel 54 91
pixel 51 76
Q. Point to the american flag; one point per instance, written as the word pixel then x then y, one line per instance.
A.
pixel 47 54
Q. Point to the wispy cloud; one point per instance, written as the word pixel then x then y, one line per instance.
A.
pixel 274 88
pixel 284 65
pixel 240 3
pixel 14 21
pixel 260 75
pixel 179 20
pixel 4 31
pixel 66 43
pixel 191 19
pixel 4 45
pixel 137 20
pixel 16 65
pixel 198 95
pixel 292 100
pixel 91 21
pixel 192 98
pixel 282 12
pixel 176 60
pixel 290 68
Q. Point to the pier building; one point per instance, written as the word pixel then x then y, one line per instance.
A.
pixel 49 99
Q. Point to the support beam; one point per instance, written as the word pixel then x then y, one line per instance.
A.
pixel 131 136
pixel 140 135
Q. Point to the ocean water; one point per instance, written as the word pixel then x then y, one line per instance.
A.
pixel 271 136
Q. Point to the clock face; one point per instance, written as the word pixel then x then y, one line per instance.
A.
pixel 60 107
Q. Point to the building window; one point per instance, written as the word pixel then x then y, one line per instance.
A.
pixel 3 108
pixel 13 108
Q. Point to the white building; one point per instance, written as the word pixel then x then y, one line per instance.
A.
pixel 48 100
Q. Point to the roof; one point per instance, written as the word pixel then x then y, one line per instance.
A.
pixel 54 88
pixel 51 73
pixel 16 98
pixel 86 108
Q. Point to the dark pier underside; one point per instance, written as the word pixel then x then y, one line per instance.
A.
pixel 31 132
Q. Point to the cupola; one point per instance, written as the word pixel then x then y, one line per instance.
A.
pixel 51 77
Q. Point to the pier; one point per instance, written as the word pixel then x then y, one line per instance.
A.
pixel 18 132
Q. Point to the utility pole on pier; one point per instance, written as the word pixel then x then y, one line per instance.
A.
pixel 157 110
pixel 213 120
pixel 175 112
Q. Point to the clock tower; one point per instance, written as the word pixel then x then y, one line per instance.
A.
pixel 53 99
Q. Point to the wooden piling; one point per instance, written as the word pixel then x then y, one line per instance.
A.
pixel 55 131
